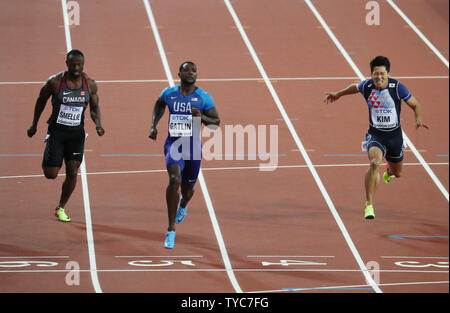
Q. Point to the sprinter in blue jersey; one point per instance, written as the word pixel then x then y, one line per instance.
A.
pixel 384 138
pixel 189 106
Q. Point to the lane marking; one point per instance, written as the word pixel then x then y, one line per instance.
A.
pixel 414 257
pixel 35 257
pixel 233 168
pixel 361 76
pixel 352 287
pixel 158 256
pixel 290 256
pixel 117 81
pixel 301 148
pixel 418 32
pixel 236 270
pixel 208 201
pixel 87 206
pixel 410 236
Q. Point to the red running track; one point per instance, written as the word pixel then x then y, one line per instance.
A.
pixel 279 232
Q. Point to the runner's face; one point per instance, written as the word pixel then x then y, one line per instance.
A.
pixel 75 65
pixel 188 74
pixel 380 76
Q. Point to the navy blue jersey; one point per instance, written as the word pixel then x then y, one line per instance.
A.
pixel 385 104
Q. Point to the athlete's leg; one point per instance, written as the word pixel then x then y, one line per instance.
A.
pixel 53 156
pixel 172 195
pixel 372 178
pixel 395 168
pixel 50 172
pixel 187 191
pixel 70 182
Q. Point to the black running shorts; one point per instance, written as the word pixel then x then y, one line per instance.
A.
pixel 63 145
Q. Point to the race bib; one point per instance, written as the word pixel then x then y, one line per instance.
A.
pixel 180 125
pixel 382 110
pixel 384 118
pixel 69 115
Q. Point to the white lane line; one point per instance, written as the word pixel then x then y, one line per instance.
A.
pixel 350 286
pixel 87 206
pixel 414 257
pixel 159 256
pixel 302 149
pixel 201 179
pixel 224 270
pixel 118 81
pixel 361 76
pixel 290 256
pixel 35 257
pixel 418 32
pixel 232 168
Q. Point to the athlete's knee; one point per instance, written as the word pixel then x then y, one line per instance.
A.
pixel 374 164
pixel 174 180
pixel 50 173
pixel 72 169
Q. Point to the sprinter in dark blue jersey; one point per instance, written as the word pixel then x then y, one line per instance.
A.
pixel 189 106
pixel 71 91
pixel 384 138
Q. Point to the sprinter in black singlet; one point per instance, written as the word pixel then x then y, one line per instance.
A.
pixel 71 92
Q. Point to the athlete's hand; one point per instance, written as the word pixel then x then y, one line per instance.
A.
pixel 153 133
pixel 331 97
pixel 100 130
pixel 420 124
pixel 31 131
pixel 196 112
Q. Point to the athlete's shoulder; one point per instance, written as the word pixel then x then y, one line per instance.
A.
pixel 392 82
pixel 92 84
pixel 203 94
pixel 367 83
pixel 54 80
pixel 169 90
pixel 56 77
pixel 208 102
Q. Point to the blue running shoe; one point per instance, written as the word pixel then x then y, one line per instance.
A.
pixel 169 242
pixel 181 213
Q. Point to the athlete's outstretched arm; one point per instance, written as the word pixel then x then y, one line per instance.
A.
pixel 209 117
pixel 158 112
pixel 333 96
pixel 94 107
pixel 44 94
pixel 415 105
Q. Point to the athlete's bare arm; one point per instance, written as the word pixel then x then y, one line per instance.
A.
pixel 94 107
pixel 333 96
pixel 415 105
pixel 158 112
pixel 49 88
pixel 209 117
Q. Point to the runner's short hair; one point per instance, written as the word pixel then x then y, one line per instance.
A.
pixel 74 52
pixel 184 63
pixel 380 61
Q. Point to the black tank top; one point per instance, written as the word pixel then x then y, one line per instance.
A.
pixel 69 106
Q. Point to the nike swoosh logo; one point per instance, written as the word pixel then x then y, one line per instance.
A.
pixel 67 93
pixel 76 153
